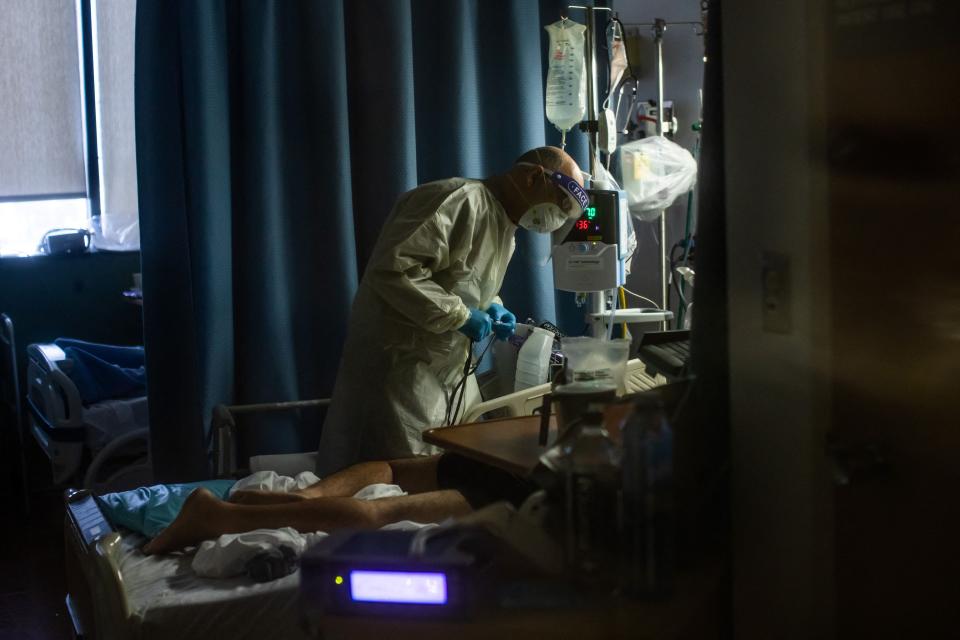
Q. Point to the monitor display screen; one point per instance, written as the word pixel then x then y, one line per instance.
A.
pixel 399 587
pixel 598 222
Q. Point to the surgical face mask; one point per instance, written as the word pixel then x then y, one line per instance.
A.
pixel 547 217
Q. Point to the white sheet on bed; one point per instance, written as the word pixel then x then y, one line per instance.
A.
pixel 167 597
pixel 109 419
pixel 273 481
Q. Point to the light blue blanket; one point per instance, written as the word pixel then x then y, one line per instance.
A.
pixel 149 510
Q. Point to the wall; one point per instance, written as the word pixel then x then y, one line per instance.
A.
pixel 776 202
pixel 79 297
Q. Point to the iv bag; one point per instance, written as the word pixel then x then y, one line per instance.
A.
pixel 566 75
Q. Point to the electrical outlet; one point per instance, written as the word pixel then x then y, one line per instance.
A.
pixel 776 292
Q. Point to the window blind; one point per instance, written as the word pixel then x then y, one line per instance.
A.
pixel 41 132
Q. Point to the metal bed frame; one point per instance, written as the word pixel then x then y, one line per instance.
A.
pixel 10 395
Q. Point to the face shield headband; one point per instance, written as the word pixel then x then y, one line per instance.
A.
pixel 568 185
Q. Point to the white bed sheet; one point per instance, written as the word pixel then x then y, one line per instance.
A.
pixel 109 419
pixel 168 599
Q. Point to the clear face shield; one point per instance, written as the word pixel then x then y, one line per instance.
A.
pixel 548 217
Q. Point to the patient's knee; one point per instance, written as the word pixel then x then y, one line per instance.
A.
pixel 415 475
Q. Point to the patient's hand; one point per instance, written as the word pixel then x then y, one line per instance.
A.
pixel 258 496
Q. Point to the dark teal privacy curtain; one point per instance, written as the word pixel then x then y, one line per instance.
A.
pixel 272 140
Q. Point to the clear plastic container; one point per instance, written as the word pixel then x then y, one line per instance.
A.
pixel 505 358
pixel 533 361
pixel 589 465
pixel 595 363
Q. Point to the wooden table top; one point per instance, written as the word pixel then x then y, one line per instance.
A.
pixel 510 444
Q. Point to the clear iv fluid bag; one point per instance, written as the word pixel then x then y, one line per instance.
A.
pixel 566 75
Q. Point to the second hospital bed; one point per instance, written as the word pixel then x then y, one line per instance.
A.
pixel 104 443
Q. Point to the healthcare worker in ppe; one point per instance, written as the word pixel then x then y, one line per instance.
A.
pixel 430 289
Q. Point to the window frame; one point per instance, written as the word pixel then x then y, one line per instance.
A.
pixel 88 105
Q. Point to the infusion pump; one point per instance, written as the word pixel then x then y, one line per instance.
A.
pixel 590 255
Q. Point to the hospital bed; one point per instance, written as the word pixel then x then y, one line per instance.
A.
pixel 108 441
pixel 117 593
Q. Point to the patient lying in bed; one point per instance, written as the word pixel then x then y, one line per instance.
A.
pixel 438 487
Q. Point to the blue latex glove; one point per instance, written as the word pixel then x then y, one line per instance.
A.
pixel 478 326
pixel 504 322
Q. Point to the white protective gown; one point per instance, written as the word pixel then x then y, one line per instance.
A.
pixel 445 248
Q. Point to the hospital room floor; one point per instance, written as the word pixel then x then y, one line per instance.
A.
pixel 32 581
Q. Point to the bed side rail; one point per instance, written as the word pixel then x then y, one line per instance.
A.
pixel 528 401
pixel 518 403
pixel 85 516
pixel 96 592
pixel 223 428
pixel 51 394
pixel 55 410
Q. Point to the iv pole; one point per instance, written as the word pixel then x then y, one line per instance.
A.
pixel 659 27
pixel 599 300
pixel 591 63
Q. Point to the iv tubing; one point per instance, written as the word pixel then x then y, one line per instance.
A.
pixel 623 305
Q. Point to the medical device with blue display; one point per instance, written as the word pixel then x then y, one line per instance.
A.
pixel 406 587
pixel 591 255
pixel 590 259
pixel 391 573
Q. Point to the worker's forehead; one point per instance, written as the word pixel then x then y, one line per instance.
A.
pixel 573 170
pixel 569 166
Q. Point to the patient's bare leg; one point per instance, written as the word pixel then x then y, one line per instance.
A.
pixel 259 496
pixel 413 475
pixel 204 517
pixel 346 482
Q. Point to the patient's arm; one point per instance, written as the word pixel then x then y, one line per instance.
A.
pixel 204 517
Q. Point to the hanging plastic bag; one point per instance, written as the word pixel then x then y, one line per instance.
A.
pixel 656 172
pixel 617 62
pixel 618 55
pixel 566 99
